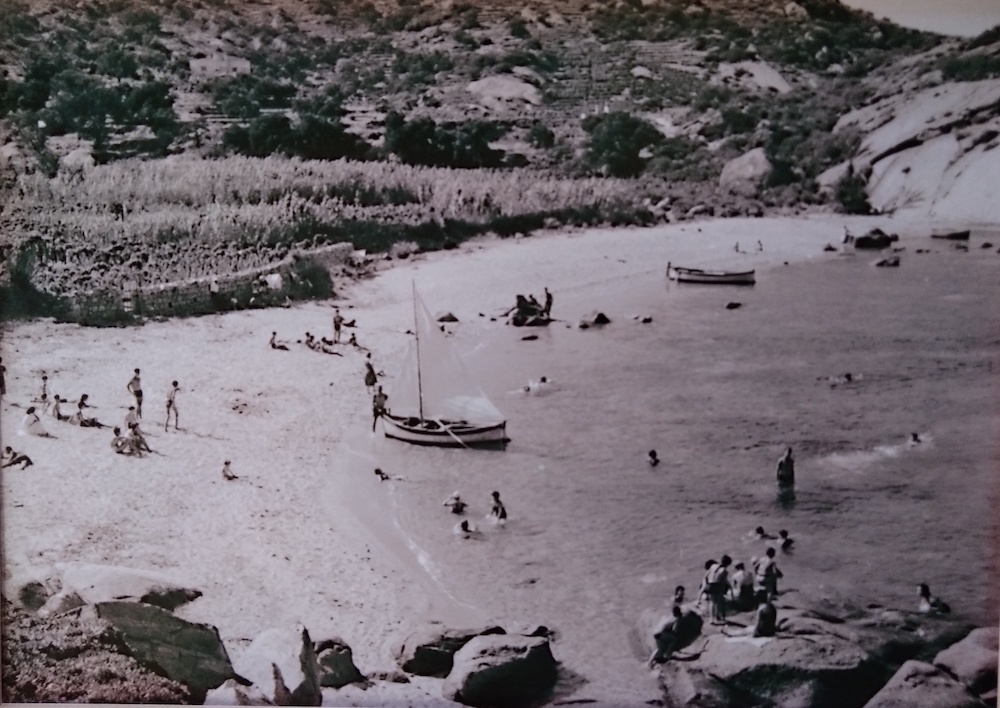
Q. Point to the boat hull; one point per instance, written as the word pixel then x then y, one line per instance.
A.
pixel 710 277
pixel 453 434
pixel 953 235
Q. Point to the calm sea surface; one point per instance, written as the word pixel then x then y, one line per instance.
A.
pixel 719 394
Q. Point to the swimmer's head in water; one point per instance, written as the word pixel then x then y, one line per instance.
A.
pixel 652 453
pixel 759 530
pixel 544 379
pixel 783 533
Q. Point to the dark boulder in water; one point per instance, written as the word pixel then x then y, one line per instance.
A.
pixel 734 305
pixel 888 262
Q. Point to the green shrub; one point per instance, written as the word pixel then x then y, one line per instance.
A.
pixel 519 28
pixel 970 68
pixel 851 195
pixel 616 140
pixel 541 136
pixel 309 279
pixel 424 142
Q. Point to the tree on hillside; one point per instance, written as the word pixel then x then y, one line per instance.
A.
pixel 617 141
pixel 423 142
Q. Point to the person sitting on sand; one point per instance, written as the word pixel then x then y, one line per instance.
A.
pixel 498 512
pixel 81 419
pixel 121 444
pixel 57 410
pixel 652 459
pixel 454 501
pixel 136 440
pixel 766 574
pixel 382 476
pixel 786 541
pixel 353 341
pixel 929 604
pixel 227 472
pixel 275 344
pixel 673 632
pixel 32 424
pixel 12 457
pixel 465 529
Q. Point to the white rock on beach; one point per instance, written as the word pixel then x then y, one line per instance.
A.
pixel 104 583
pixel 282 664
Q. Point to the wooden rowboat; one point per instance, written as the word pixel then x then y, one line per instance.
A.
pixel 953 235
pixel 714 277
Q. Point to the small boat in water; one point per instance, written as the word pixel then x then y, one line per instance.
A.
pixel 953 235
pixel 715 277
pixel 435 401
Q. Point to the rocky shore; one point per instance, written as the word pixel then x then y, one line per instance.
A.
pixel 93 633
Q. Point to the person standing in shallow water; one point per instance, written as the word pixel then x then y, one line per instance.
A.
pixel 786 474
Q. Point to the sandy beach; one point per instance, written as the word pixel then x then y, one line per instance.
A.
pixel 307 533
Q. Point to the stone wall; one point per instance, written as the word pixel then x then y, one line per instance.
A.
pixel 266 285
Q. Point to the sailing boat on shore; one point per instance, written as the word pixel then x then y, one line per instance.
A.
pixel 435 400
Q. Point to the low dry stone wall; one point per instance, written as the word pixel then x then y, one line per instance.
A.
pixel 267 285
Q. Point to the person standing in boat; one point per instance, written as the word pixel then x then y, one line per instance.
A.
pixel 786 474
pixel 378 406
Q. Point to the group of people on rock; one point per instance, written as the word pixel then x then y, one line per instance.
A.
pixel 724 585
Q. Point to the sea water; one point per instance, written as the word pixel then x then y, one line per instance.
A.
pixel 719 394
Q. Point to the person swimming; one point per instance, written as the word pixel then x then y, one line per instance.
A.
pixel 454 501
pixel 786 541
pixel 498 512
pixel 929 604
pixel 465 529
pixel 652 459
pixel 760 534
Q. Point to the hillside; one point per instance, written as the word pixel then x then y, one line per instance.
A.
pixel 811 105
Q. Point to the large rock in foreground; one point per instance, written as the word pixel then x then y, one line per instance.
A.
pixel 106 583
pixel 430 653
pixel 282 664
pixel 502 670
pixel 920 685
pixel 821 671
pixel 191 654
pixel 336 664
pixel 973 661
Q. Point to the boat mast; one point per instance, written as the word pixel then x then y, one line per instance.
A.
pixel 416 334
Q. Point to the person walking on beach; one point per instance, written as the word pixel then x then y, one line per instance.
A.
pixel 172 406
pixel 338 322
pixel 786 474
pixel 498 512
pixel 717 582
pixel 378 406
pixel 547 307
pixel 766 574
pixel 371 378
pixel 135 388
pixel 12 457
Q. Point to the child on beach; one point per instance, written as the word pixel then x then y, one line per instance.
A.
pixel 12 457
pixel 135 388
pixel 172 406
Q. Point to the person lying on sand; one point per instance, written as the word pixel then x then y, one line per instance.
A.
pixel 454 501
pixel 32 424
pixel 465 529
pixel 275 344
pixel 227 473
pixel 12 457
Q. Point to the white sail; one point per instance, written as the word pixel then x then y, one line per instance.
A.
pixel 432 368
